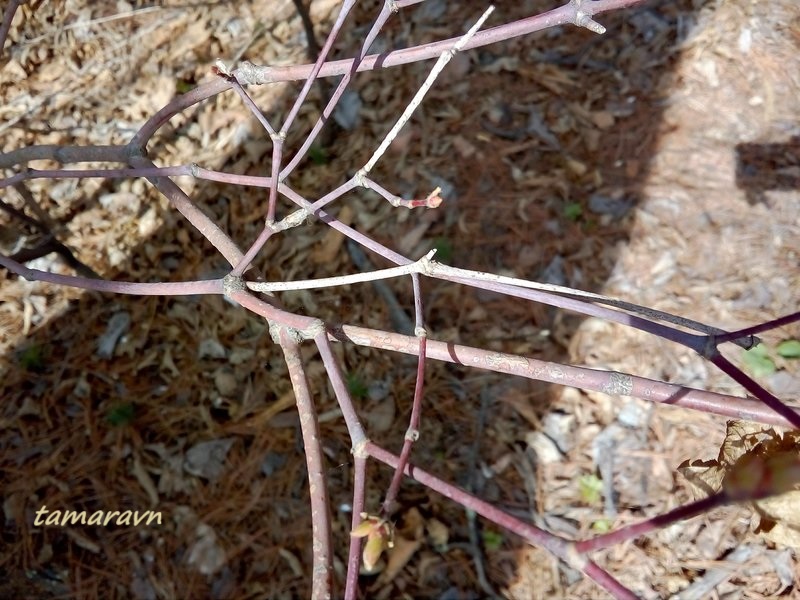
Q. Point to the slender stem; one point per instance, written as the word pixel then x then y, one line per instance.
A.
pixel 412 433
pixel 348 185
pixel 277 157
pixel 383 16
pixel 354 554
pixel 177 105
pixel 444 58
pixel 553 544
pixel 788 413
pixel 345 9
pixel 748 331
pixel 346 230
pixel 312 284
pixel 638 529
pixel 322 546
pixel 266 233
pixel 167 288
pixel 178 198
pixel 252 106
pixel 64 154
pixel 354 427
pixel 608 382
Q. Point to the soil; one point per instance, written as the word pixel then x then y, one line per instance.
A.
pixel 658 163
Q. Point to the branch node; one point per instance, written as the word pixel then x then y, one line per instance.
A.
pixel 249 74
pixel 412 435
pixel 360 449
pixel 276 329
pixel 232 283
pixel 426 264
pixel 360 177
pixel 295 219
pixel 316 328
pixel 420 332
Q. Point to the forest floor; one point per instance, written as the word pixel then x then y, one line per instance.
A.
pixel 658 163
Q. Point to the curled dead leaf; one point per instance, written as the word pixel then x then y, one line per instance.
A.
pixel 759 465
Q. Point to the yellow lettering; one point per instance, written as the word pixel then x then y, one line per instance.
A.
pixel 38 514
pixel 124 518
pixel 75 515
pixel 96 518
pixel 53 517
pixel 110 516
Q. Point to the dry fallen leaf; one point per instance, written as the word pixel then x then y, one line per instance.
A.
pixel 760 465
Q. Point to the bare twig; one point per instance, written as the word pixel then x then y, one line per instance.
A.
pixel 322 550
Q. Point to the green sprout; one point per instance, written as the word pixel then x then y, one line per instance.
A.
pixel 318 155
pixel 789 349
pixel 444 250
pixel 356 385
pixel 591 488
pixel 492 540
pixel 32 358
pixel 758 362
pixel 573 211
pixel 120 414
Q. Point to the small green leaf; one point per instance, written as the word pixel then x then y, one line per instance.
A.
pixel 32 358
pixel 758 362
pixel 789 349
pixel 591 488
pixel 444 250
pixel 318 155
pixel 601 526
pixel 356 386
pixel 120 414
pixel 573 211
pixel 182 86
pixel 492 540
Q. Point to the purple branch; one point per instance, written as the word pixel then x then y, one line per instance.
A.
pixel 608 382
pixel 322 546
pixel 748 331
pixel 178 198
pixel 345 9
pixel 348 231
pixel 691 341
pixel 177 105
pixel 354 427
pixel 567 14
pixel 788 413
pixel 169 288
pixel 354 554
pixel 638 529
pixel 553 544
pixel 412 434
pixel 250 74
pixel 338 92
pixel 64 154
